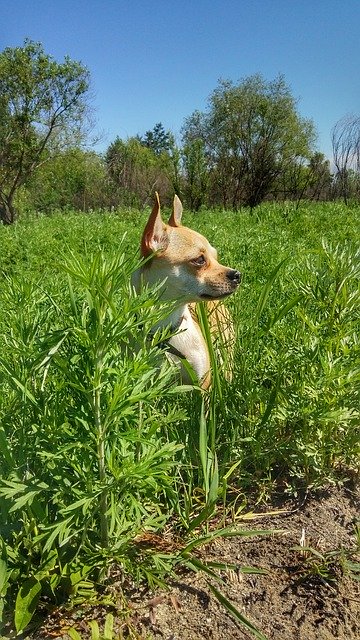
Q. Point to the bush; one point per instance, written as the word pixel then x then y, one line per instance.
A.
pixel 85 465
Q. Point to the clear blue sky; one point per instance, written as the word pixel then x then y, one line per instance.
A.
pixel 158 60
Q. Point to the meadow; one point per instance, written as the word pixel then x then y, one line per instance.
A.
pixel 100 449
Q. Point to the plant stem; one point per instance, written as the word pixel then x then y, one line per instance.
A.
pixel 102 468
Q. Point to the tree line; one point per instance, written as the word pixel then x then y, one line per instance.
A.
pixel 249 145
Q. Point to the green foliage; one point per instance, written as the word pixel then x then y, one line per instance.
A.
pixel 250 145
pixel 327 566
pixel 96 443
pixel 299 181
pixel 236 614
pixel 96 634
pixel 251 132
pixel 292 407
pixel 196 174
pixel 84 466
pixel 157 139
pixel 346 153
pixel 306 413
pixel 136 170
pixel 72 179
pixel 41 102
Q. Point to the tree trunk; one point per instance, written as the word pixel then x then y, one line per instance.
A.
pixel 7 212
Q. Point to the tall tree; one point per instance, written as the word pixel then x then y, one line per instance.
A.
pixel 320 177
pixel 251 131
pixel 136 171
pixel 196 173
pixel 157 139
pixel 311 180
pixel 43 109
pixel 346 152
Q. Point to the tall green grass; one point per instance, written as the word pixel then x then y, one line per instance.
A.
pixel 85 464
pixel 98 442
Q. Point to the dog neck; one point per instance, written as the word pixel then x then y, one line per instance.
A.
pixel 188 342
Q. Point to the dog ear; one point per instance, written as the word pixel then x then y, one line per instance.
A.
pixel 154 237
pixel 175 218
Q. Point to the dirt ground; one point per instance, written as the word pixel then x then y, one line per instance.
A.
pixel 305 595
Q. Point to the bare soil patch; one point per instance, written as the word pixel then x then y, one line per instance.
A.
pixel 303 596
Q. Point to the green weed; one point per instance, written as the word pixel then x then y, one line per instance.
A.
pixel 97 443
pixel 328 566
pixel 84 464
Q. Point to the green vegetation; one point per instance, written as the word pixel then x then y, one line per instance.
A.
pixel 252 135
pixel 42 108
pixel 100 449
pixel 251 145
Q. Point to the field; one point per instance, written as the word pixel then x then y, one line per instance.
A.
pixel 113 473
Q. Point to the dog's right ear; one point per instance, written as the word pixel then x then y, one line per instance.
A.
pixel 154 237
pixel 175 218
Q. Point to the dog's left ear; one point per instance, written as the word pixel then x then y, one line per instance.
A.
pixel 154 237
pixel 175 218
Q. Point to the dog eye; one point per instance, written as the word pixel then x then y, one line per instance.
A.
pixel 199 262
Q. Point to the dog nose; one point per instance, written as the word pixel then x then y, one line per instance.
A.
pixel 234 276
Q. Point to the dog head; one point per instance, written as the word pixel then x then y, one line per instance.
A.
pixel 184 260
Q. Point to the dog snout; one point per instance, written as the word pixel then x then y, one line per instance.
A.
pixel 234 276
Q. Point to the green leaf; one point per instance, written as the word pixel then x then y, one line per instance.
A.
pixel 214 485
pixel 203 448
pixel 204 514
pixel 3 575
pixel 95 631
pixel 227 533
pixel 74 635
pixel 235 613
pixel 196 565
pixel 266 290
pixel 26 602
pixel 284 310
pixel 26 498
pixel 109 627
pixel 4 449
pixel 225 566
pixel 16 383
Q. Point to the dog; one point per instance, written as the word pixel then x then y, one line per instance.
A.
pixel 186 263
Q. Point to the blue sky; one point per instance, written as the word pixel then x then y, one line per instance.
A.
pixel 158 60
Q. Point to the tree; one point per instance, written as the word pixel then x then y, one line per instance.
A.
pixel 75 178
pixel 158 140
pixel 311 180
pixel 320 177
pixel 174 168
pixel 251 131
pixel 137 171
pixel 346 152
pixel 43 109
pixel 196 173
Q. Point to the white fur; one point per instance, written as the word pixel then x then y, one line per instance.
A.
pixel 190 342
pixel 188 339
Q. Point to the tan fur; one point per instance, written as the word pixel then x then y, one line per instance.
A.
pixel 188 265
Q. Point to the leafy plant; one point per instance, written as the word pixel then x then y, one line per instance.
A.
pixel 85 466
pixel 99 449
pixel 39 97
pixel 329 565
pixel 96 634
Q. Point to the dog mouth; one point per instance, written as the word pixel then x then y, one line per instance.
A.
pixel 218 293
pixel 220 290
pixel 218 296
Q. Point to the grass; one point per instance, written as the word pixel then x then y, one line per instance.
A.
pixel 326 566
pixel 101 450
